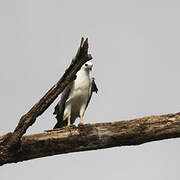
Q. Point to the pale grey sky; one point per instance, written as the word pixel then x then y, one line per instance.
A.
pixel 135 45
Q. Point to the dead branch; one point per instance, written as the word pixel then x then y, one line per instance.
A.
pixel 29 118
pixel 12 141
pixel 96 136
pixel 14 147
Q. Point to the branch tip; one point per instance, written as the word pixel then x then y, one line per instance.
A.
pixel 82 41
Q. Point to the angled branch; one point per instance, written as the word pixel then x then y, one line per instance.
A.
pixel 96 136
pixel 12 139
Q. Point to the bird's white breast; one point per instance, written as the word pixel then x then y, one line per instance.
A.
pixel 81 86
pixel 79 93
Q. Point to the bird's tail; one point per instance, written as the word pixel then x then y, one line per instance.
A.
pixel 60 124
pixel 59 116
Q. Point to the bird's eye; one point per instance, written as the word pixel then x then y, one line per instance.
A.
pixel 86 65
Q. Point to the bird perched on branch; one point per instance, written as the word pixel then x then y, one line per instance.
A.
pixel 75 97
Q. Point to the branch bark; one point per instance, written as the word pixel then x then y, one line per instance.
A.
pixel 96 136
pixel 14 147
pixel 12 140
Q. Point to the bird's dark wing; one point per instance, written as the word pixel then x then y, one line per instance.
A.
pixel 60 107
pixel 93 89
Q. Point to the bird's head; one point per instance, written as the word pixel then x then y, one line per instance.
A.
pixel 87 66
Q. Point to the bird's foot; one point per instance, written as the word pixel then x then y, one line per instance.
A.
pixel 68 126
pixel 81 124
pixel 81 120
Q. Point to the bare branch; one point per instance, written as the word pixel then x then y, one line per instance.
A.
pixel 95 136
pixel 82 56
pixel 14 147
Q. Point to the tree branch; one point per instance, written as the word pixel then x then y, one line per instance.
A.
pixel 12 140
pixel 15 148
pixel 96 136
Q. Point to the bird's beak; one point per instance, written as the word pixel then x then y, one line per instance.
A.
pixel 90 68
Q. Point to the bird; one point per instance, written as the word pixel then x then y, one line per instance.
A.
pixel 75 98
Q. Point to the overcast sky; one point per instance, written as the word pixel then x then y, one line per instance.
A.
pixel 135 47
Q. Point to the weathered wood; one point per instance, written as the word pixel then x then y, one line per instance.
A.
pixel 96 136
pixel 12 139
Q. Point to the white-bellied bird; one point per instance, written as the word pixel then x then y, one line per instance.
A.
pixel 75 97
